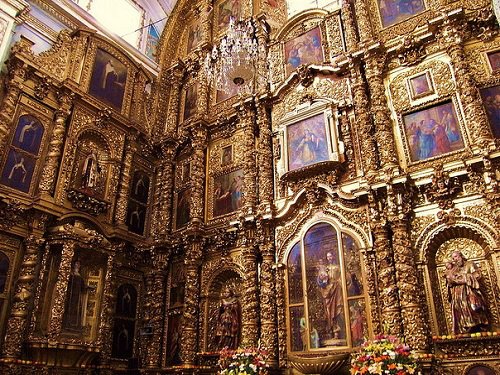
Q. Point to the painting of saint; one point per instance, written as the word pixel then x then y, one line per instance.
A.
pixel 136 217
pixel 421 86
pixel 126 301
pixel 481 370
pixel 75 299
pixel 491 101
pixel 228 193
pixel 140 187
pixel 174 339
pixel 28 135
pixel 494 60
pixel 190 101
pixel 358 322
pixel 108 80
pixel 194 36
pixel 226 155
pixel 225 10
pixel 433 132
pixel 18 171
pixel 304 49
pixel 123 338
pixel 394 11
pixel 307 142
pixel 182 216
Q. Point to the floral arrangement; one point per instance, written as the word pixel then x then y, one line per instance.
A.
pixel 250 361
pixel 384 355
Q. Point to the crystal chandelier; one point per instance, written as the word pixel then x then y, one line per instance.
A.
pixel 233 65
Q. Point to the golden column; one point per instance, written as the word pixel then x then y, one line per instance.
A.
pixel 250 300
pixel 173 79
pixel 199 136
pixel 56 143
pixel 190 317
pixel 370 265
pixel 265 158
pixel 246 114
pixel 450 36
pixel 364 24
pixel 123 189
pixel 23 298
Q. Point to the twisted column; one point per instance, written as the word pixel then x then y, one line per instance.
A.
pixel 190 317
pixel 122 201
pixel 18 320
pixel 175 81
pixel 265 157
pixel 351 35
pixel 250 305
pixel 163 191
pixel 199 143
pixel 56 143
pixel 247 119
pixel 370 265
pixel 364 22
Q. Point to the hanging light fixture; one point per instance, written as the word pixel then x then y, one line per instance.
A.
pixel 233 64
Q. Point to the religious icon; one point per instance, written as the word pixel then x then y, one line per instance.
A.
pixel 395 11
pixel 494 60
pixel 194 36
pixel 303 50
pixel 227 331
pixel 468 306
pixel 433 131
pixel 126 301
pixel 491 102
pixel 75 300
pixel 307 142
pixel 226 10
pixel 228 193
pixel 481 370
pixel 108 80
pixel 18 171
pixel 173 339
pixel 421 85
pixel 140 186
pixel 123 338
pixel 28 135
pixel 226 155
pixel 91 171
pixel 182 212
pixel 190 101
pixel 358 322
pixel 136 217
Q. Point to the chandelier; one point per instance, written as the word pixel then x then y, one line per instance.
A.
pixel 233 65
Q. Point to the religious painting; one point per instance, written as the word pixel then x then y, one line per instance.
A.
pixel 433 131
pixel 91 175
pixel 299 339
pixel 304 49
pixel 28 135
pixel 136 217
pixel 324 288
pixel 190 101
pixel 294 270
pixel 228 193
pixel 140 186
pixel 109 77
pixel 227 9
pixel 126 301
pixel 394 11
pixel 481 370
pixel 76 299
pixel 352 266
pixel 226 155
pixel 173 339
pixel 307 142
pixel 194 36
pixel 494 60
pixel 358 325
pixel 491 101
pixel 421 85
pixel 18 170
pixel 123 338
pixel 177 286
pixel 182 209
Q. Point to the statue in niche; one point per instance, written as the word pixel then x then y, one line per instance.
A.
pixel 75 297
pixel 227 331
pixel 468 307
pixel 91 171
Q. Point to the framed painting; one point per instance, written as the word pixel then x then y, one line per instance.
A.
pixel 126 301
pixel 182 208
pixel 433 131
pixel 226 155
pixel 304 49
pixel 194 36
pixel 395 11
pixel 228 193
pixel 136 217
pixel 190 101
pixel 28 135
pixel 18 170
pixel 421 85
pixel 140 186
pixel 123 338
pixel 480 370
pixel 227 9
pixel 491 102
pixel 494 60
pixel 307 142
pixel 108 80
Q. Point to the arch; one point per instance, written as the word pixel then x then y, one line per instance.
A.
pixel 298 18
pixel 90 221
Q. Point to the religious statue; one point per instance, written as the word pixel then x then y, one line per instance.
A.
pixel 91 171
pixel 328 280
pixel 228 324
pixel 74 307
pixel 468 307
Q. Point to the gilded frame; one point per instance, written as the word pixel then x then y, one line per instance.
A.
pixel 414 81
